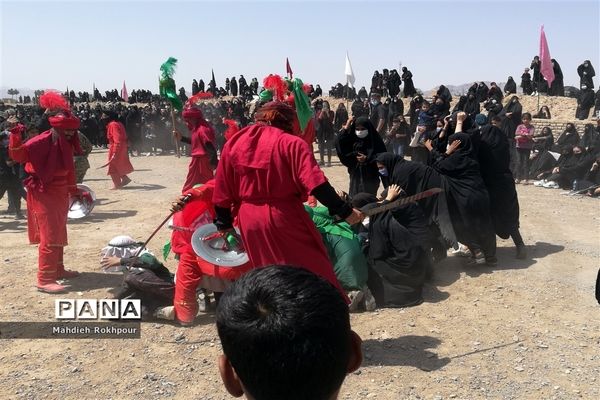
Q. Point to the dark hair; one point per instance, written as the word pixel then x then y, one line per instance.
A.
pixel 286 333
pixel 526 116
pixel 496 119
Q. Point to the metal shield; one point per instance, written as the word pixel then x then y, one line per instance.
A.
pixel 211 250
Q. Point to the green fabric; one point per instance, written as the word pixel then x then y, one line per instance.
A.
pixel 349 262
pixel 302 103
pixel 343 248
pixel 265 95
pixel 166 250
pixel 151 263
pixel 166 83
pixel 325 223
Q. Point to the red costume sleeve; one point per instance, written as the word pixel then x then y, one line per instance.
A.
pixel 16 149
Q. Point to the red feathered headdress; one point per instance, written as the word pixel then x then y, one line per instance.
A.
pixel 191 110
pixel 60 111
pixel 232 128
pixel 51 100
pixel 277 85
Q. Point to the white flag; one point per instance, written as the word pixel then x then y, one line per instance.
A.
pixel 349 73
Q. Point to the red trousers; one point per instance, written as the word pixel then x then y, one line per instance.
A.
pixel 47 226
pixel 187 279
pixel 190 271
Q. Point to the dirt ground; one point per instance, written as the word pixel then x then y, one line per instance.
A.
pixel 521 330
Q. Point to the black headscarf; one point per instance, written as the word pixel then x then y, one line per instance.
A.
pixel 348 144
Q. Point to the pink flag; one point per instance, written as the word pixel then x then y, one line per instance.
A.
pixel 545 59
pixel 124 94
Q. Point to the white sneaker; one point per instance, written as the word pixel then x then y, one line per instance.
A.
pixel 551 185
pixel 167 313
pixel 539 183
pixel 462 251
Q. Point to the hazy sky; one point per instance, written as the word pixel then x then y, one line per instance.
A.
pixel 55 44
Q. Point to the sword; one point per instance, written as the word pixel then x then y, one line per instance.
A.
pixel 185 200
pixel 402 202
pixel 107 164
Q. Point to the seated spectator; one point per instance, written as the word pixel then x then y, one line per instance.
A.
pixel 569 138
pixel 542 164
pixel 285 334
pixel 543 140
pixel 591 180
pixel 569 169
pixel 544 113
pixel 591 139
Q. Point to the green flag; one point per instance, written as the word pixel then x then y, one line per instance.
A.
pixel 166 83
pixel 302 103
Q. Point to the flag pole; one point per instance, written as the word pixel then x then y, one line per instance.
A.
pixel 347 96
pixel 177 152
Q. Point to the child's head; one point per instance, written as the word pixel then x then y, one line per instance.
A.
pixel 526 119
pixel 285 334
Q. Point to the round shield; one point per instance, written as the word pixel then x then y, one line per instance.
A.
pixel 213 250
pixel 82 203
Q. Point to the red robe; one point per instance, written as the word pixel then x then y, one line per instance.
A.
pixel 198 211
pixel 266 174
pixel 49 161
pixel 117 142
pixel 200 169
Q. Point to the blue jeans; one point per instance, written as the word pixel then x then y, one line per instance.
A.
pixel 398 149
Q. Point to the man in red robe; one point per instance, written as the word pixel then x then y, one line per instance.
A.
pixel 193 271
pixel 118 156
pixel 204 153
pixel 48 158
pixel 266 174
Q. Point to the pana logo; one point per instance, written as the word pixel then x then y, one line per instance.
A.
pixel 90 309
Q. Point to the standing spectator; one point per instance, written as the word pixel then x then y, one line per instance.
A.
pixel 524 144
pixel 586 74
pixel 557 88
pixel 9 178
pixel 510 87
pixel 377 113
pixel 585 101
pixel 526 82
pixel 537 76
pixel 340 118
pixel 398 136
pixel 326 134
pixel 409 87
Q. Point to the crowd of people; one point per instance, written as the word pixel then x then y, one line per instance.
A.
pixel 351 253
pixel 475 150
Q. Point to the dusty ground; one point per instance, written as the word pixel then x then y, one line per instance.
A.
pixel 521 330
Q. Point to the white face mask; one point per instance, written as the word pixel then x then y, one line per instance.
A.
pixel 362 133
pixel 438 129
